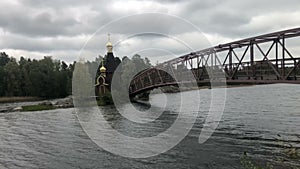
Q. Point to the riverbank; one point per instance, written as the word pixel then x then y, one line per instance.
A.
pixel 19 99
pixel 38 105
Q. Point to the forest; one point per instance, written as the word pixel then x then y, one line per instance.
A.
pixel 49 78
pixel 45 78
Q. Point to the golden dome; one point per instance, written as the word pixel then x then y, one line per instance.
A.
pixel 109 44
pixel 102 69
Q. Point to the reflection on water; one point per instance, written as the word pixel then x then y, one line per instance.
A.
pixel 261 120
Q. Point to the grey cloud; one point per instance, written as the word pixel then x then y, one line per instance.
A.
pixel 43 24
pixel 149 22
pixel 230 18
pixel 59 26
pixel 55 3
pixel 41 45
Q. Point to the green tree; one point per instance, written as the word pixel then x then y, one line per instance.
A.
pixel 2 82
pixel 4 59
pixel 12 79
pixel 25 81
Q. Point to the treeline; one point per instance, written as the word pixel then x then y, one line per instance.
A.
pixel 46 78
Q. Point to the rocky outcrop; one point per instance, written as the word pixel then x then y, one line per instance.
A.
pixel 17 109
pixel 64 103
pixel 57 103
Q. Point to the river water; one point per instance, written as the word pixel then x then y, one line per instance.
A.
pixel 263 121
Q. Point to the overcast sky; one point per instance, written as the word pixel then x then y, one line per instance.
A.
pixel 153 28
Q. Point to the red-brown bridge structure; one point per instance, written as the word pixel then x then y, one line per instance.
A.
pixel 263 59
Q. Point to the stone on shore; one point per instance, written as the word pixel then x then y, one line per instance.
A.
pixel 64 103
pixel 17 109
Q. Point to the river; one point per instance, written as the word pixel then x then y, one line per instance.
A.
pixel 262 120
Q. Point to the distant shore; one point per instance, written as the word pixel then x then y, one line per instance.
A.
pixel 19 99
pixel 17 104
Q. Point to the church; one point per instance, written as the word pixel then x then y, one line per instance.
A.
pixel 106 70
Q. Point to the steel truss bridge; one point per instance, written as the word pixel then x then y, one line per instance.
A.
pixel 263 59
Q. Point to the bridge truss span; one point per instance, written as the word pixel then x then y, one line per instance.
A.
pixel 261 59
